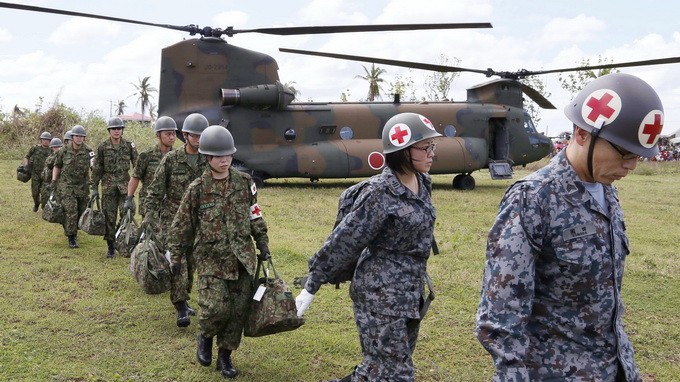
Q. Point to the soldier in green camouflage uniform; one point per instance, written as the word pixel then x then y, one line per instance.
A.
pixel 219 217
pixel 72 170
pixel 35 159
pixel 145 167
pixel 112 162
pixel 55 145
pixel 173 176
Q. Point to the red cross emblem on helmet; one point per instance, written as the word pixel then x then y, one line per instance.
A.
pixel 604 104
pixel 400 134
pixel 650 128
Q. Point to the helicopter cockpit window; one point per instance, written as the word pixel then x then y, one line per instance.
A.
pixel 346 133
pixel 529 124
pixel 450 131
pixel 290 135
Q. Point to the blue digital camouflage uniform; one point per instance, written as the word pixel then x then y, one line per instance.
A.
pixel 219 219
pixel 144 169
pixel 112 167
pixel 389 230
pixel 170 181
pixel 551 305
pixel 72 188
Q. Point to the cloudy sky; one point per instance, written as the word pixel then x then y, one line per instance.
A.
pixel 90 64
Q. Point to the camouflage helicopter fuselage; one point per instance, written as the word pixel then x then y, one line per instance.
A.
pixel 240 89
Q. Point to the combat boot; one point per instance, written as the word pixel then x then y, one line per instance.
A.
pixel 72 241
pixel 35 206
pixel 224 363
pixel 204 350
pixel 190 310
pixel 111 252
pixel 183 319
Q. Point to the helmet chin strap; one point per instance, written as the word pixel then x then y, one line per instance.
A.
pixel 594 134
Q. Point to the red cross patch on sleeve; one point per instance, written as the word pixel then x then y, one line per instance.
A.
pixel 255 211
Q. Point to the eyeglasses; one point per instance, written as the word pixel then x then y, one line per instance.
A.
pixel 625 154
pixel 429 149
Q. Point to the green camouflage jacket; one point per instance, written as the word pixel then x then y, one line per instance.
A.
pixel 75 170
pixel 146 166
pixel 171 180
pixel 219 219
pixel 36 159
pixel 112 164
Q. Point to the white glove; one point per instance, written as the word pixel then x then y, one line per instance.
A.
pixel 302 302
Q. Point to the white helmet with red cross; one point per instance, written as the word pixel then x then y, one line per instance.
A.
pixel 405 129
pixel 625 109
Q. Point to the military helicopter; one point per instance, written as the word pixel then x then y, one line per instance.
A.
pixel 277 138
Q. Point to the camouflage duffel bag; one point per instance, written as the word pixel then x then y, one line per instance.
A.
pixel 23 173
pixel 53 212
pixel 92 220
pixel 149 267
pixel 272 308
pixel 126 235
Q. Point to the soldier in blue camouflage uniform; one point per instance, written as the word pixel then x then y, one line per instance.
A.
pixel 388 234
pixel 72 171
pixel 147 162
pixel 172 178
pixel 35 159
pixel 219 217
pixel 551 307
pixel 112 162
pixel 55 145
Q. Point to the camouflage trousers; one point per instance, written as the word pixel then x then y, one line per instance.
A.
pixel 44 193
pixel 36 185
pixel 112 207
pixel 180 285
pixel 74 206
pixel 387 344
pixel 223 307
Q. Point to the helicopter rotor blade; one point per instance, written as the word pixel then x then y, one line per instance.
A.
pixel 405 64
pixel 191 28
pixel 230 31
pixel 288 31
pixel 658 61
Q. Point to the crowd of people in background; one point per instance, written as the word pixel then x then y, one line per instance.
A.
pixel 668 151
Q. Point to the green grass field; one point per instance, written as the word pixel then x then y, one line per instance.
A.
pixel 73 315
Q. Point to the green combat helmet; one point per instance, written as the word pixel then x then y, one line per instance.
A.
pixel 165 124
pixel 45 135
pixel 67 136
pixel 195 124
pixel 115 122
pixel 405 129
pixel 55 142
pixel 217 141
pixel 78 130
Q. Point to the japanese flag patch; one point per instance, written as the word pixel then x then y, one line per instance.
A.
pixel 253 188
pixel 255 211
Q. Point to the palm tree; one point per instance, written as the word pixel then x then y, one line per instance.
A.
pixel 374 80
pixel 120 109
pixel 144 90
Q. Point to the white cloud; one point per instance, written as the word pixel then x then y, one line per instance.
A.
pixel 5 35
pixel 578 29
pixel 78 31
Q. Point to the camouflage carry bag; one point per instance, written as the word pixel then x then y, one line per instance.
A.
pixel 23 173
pixel 126 235
pixel 53 212
pixel 92 220
pixel 149 267
pixel 272 309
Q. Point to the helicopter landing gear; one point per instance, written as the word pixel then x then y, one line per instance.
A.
pixel 463 182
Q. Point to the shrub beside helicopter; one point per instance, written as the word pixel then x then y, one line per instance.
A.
pixel 277 138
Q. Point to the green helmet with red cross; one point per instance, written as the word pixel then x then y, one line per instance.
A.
pixel 405 129
pixel 625 109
